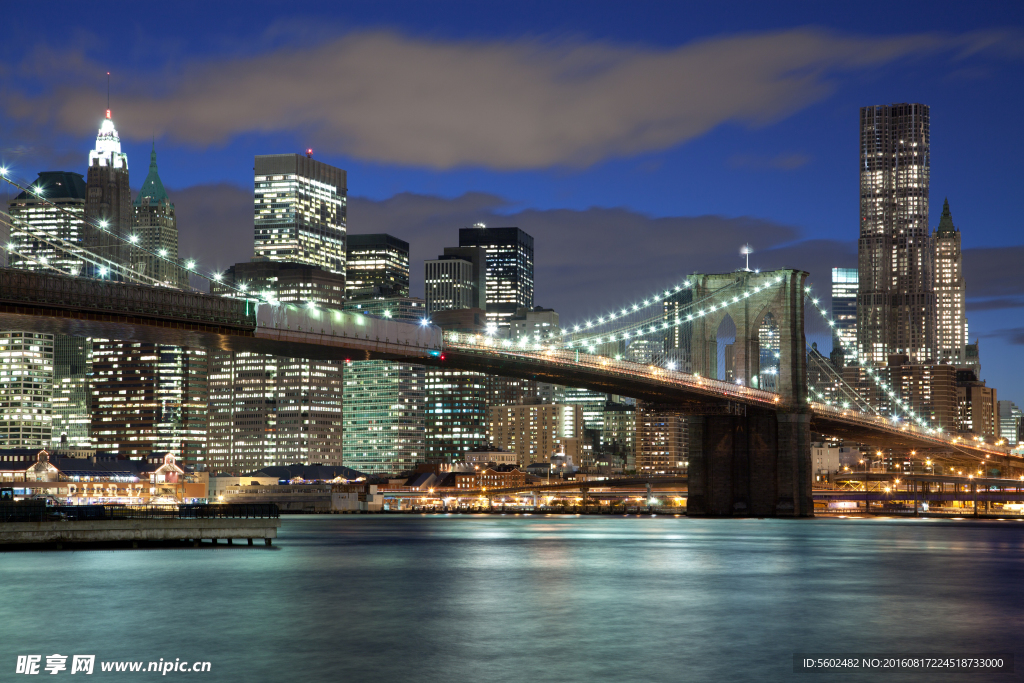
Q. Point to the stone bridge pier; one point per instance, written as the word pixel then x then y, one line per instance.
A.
pixel 753 462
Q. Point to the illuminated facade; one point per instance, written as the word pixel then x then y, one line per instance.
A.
pixel 895 300
pixel 536 432
pixel 156 229
pixel 72 366
pixel 149 400
pixel 65 221
pixel 950 309
pixel 108 204
pixel 509 279
pixel 618 436
pixel 456 279
pixel 273 410
pixel 377 267
pixel 661 439
pixel 300 209
pixel 845 282
pixel 26 388
pixel 1010 422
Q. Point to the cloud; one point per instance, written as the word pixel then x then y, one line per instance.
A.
pixel 1012 335
pixel 506 104
pixel 784 162
pixel 994 272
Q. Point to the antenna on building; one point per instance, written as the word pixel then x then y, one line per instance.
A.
pixel 108 94
pixel 747 250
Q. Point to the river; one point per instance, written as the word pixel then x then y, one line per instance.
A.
pixel 529 598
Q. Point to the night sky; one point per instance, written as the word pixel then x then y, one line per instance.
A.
pixel 637 142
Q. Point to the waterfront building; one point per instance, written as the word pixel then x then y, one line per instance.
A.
pixel 509 274
pixel 108 203
pixel 845 283
pixel 535 432
pixel 384 402
pixel 661 439
pixel 59 215
pixel 300 211
pixel 26 389
pixel 72 366
pixel 618 436
pixel 950 308
pixel 149 400
pixel 377 267
pixel 895 300
pixel 155 229
pixel 270 410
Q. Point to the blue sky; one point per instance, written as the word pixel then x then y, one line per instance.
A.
pixel 701 126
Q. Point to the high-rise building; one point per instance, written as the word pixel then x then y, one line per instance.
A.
pixel 26 388
pixel 618 436
pixel 509 279
pixel 149 400
pixel 1010 418
pixel 38 223
pixel 928 390
pixel 300 209
pixel 274 410
pixel 977 406
pixel 661 439
pixel 845 282
pixel 377 267
pixel 72 366
pixel 895 300
pixel 536 432
pixel 156 230
pixel 108 202
pixel 384 402
pixel 950 309
pixel 457 279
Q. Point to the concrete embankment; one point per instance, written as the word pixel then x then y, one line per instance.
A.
pixel 137 530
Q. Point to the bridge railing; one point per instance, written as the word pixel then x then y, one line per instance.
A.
pixel 32 288
pixel 632 369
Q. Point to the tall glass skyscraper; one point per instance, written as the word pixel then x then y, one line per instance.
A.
pixel 509 283
pixel 26 388
pixel 300 211
pixel 950 319
pixel 377 267
pixel 895 305
pixel 108 205
pixel 845 282
pixel 40 218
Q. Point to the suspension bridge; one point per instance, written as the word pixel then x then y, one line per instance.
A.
pixel 751 422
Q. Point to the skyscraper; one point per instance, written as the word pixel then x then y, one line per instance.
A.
pixel 845 282
pixel 509 283
pixel 156 229
pixel 950 318
pixel 108 204
pixel 37 221
pixel 456 279
pixel 377 267
pixel 26 388
pixel 895 302
pixel 300 211
pixel 72 366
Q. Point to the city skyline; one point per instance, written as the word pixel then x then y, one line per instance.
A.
pixel 783 185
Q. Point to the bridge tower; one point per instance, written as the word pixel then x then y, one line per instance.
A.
pixel 744 460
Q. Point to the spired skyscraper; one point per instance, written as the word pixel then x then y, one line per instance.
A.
pixel 895 301
pixel 156 229
pixel 950 321
pixel 108 198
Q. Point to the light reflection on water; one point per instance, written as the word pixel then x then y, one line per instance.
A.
pixel 540 598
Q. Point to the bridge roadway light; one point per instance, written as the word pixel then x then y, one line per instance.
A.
pixel 163 252
pixel 190 264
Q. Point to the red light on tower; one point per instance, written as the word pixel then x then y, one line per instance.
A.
pixel 309 152
pixel 108 113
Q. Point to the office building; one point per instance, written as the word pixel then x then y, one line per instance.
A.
pixel 1010 422
pixel 538 431
pixel 300 210
pixel 845 282
pixel 108 200
pixel 26 388
pixel 676 345
pixel 977 406
pixel 149 400
pixel 155 231
pixel 509 275
pixel 384 402
pixel 377 267
pixel 661 439
pixel 72 366
pixel 456 279
pixel 895 301
pixel 928 390
pixel 618 436
pixel 35 222
pixel 275 410
pixel 950 308
pixel 536 324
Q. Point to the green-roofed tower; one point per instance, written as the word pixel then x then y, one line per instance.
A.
pixel 946 227
pixel 156 230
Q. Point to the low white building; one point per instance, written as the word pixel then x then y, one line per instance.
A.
pixel 825 459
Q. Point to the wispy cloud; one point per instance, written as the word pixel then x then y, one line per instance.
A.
pixel 511 104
